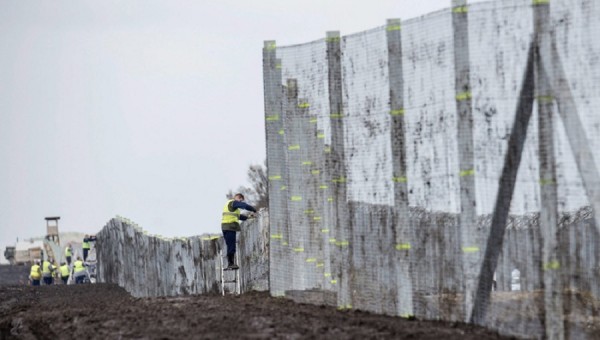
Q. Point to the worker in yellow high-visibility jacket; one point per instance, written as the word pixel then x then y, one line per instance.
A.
pixel 64 272
pixel 68 253
pixel 35 274
pixel 48 272
pixel 79 271
pixel 230 224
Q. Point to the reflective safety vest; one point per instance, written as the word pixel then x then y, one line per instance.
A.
pixel 78 266
pixel 35 272
pixel 85 244
pixel 64 270
pixel 68 251
pixel 229 216
pixel 47 267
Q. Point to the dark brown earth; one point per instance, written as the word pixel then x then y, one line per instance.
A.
pixel 104 311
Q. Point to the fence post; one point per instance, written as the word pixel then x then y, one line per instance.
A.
pixel 470 238
pixel 341 256
pixel 553 319
pixel 276 165
pixel 402 229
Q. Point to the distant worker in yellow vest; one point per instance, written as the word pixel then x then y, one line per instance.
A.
pixel 64 272
pixel 35 274
pixel 86 245
pixel 68 253
pixel 79 272
pixel 230 224
pixel 48 272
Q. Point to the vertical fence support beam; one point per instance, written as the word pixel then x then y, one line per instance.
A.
pixel 553 318
pixel 470 238
pixel 306 253
pixel 276 164
pixel 296 201
pixel 341 255
pixel 402 229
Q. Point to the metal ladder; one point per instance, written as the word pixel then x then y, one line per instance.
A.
pixel 229 277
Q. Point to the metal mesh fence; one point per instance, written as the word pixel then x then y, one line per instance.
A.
pixel 444 167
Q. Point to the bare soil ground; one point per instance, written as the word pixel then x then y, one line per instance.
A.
pixel 104 311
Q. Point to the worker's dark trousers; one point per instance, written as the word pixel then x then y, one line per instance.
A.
pixel 68 260
pixel 65 279
pixel 48 280
pixel 229 236
pixel 85 252
pixel 35 282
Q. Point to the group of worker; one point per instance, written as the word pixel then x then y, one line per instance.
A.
pixel 45 271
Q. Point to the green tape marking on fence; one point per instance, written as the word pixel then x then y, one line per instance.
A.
pixel 309 211
pixel 545 98
pixel 311 259
pixel 285 243
pixel 469 172
pixel 393 28
pixel 317 218
pixel 403 246
pixel 345 307
pixel 327 150
pixel 272 118
pixel 329 199
pixel 277 236
pixel 275 178
pixel 540 2
pixel 336 115
pixel 320 264
pixel 299 250
pixel 296 198
pixel 339 180
pixel 324 231
pixel 278 66
pixel 271 46
pixel 323 187
pixel 470 249
pixel 303 105
pixel 327 274
pixel 332 240
pixel 460 9
pixel 332 39
pixel 399 179
pixel 320 135
pixel 552 265
pixel 547 181
pixel 280 132
pixel 307 163
pixel 333 282
pixel 313 120
pixel 463 96
pixel 294 147
pixel 399 112
pixel 342 243
pixel 407 316
pixel 283 187
pixel 315 172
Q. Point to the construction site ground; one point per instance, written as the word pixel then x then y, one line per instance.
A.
pixel 104 311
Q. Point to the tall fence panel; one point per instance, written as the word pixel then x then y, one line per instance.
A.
pixel 457 176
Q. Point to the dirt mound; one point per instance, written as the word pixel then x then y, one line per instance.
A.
pixel 107 311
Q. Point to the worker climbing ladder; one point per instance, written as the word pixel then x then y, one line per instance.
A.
pixel 230 278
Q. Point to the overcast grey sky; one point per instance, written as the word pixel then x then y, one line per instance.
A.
pixel 150 110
